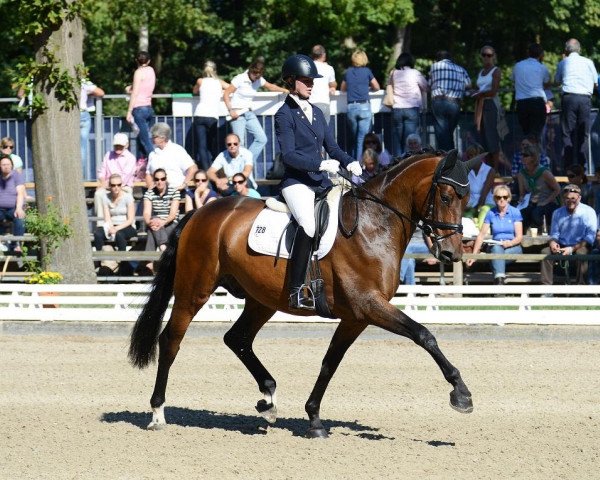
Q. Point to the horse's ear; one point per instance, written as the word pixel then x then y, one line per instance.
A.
pixel 470 164
pixel 450 159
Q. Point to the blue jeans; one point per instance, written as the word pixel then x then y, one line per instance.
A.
pixel 206 131
pixel 359 119
pixel 85 125
pixel 499 266
pixel 142 116
pixel 18 224
pixel 249 122
pixel 407 265
pixel 445 120
pixel 405 122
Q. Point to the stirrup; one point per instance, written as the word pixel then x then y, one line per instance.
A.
pixel 301 301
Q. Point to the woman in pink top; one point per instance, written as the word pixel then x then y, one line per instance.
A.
pixel 140 103
pixel 408 85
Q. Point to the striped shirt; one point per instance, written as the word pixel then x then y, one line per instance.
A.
pixel 161 206
pixel 448 79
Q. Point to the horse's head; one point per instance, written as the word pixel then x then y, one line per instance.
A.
pixel 442 204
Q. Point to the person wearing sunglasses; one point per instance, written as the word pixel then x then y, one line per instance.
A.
pixel 200 194
pixel 573 232
pixel 12 199
pixel 161 208
pixel 505 224
pixel 118 208
pixel 489 115
pixel 241 187
pixel 7 147
pixel 230 161
pixel 302 134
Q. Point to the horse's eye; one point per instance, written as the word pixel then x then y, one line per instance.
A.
pixel 446 199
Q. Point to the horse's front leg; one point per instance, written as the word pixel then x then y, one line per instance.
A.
pixel 343 337
pixel 388 317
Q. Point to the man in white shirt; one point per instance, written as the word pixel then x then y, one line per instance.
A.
pixel 172 158
pixel 234 159
pixel 325 86
pixel 578 77
pixel 531 77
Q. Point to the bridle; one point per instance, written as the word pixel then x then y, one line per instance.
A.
pixel 426 223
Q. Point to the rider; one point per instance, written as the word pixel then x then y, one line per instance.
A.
pixel 302 132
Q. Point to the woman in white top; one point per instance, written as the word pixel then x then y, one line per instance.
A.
pixel 489 116
pixel 206 115
pixel 409 85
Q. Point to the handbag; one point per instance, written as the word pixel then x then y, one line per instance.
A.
pixel 388 99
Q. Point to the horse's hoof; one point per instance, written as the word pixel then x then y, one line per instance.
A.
pixel 462 404
pixel 267 410
pixel 156 426
pixel 317 433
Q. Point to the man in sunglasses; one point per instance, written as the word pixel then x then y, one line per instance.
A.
pixel 573 232
pixel 232 160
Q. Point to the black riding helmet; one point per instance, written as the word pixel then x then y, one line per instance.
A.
pixel 298 66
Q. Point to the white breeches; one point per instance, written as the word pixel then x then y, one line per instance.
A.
pixel 301 201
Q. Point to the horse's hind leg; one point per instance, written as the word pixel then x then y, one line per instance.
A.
pixel 386 316
pixel 169 342
pixel 239 339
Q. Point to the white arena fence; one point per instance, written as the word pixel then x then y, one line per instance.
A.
pixel 441 304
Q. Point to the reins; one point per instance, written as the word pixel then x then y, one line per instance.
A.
pixel 425 224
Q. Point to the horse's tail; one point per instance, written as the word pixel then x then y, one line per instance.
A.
pixel 144 336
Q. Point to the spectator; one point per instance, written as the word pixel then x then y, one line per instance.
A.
pixel 118 161
pixel 373 141
pixel 489 115
pixel 573 232
pixel 161 207
pixel 506 225
pixel 87 105
pixel 538 191
pixel 209 88
pixel 357 81
pixel 594 265
pixel 230 161
pixel 531 78
pixel 576 175
pixel 324 86
pixel 140 110
pixel 170 157
pixel 243 119
pixel 201 194
pixel 529 140
pixel 448 82
pixel 481 181
pixel 418 244
pixel 370 166
pixel 409 86
pixel 577 76
pixel 241 187
pixel 413 144
pixel 12 199
pixel 7 147
pixel 119 217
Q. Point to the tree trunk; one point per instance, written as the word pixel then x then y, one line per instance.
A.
pixel 57 159
pixel 402 45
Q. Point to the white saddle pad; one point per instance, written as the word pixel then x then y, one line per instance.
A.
pixel 268 227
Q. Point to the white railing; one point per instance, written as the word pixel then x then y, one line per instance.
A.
pixel 485 304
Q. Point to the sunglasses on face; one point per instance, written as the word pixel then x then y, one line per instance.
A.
pixel 232 144
pixel 160 179
pixel 8 146
pixel 203 180
pixel 116 184
pixel 238 182
pixel 501 197
pixel 571 190
pixel 487 55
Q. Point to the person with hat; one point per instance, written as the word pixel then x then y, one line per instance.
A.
pixel 118 161
pixel 302 133
pixel 573 232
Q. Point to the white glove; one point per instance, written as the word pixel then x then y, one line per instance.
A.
pixel 331 166
pixel 354 168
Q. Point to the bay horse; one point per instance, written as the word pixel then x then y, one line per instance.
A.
pixel 209 248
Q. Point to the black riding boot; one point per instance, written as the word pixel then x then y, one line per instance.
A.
pixel 299 258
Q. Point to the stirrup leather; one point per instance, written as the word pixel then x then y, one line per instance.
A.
pixel 302 298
